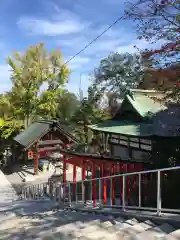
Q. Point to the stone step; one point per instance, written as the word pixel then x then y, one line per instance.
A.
pixel 156 232
pixel 6 216
pixel 45 223
pixel 137 229
pixel 120 226
pixel 168 237
pixel 175 235
pixel 131 230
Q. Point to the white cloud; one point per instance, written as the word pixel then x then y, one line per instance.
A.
pixel 116 41
pixel 5 83
pixel 130 48
pixel 77 82
pixel 77 62
pixel 107 43
pixel 56 22
pixel 49 28
pixel 4 49
pixel 72 41
pixel 140 44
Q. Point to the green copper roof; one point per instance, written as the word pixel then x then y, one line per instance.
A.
pixel 145 106
pixel 124 128
pixel 139 102
pixel 38 129
pixel 32 133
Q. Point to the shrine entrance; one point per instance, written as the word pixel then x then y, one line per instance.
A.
pixel 43 134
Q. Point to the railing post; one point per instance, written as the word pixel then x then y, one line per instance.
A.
pixel 111 201
pixel 69 193
pixel 104 188
pixel 124 193
pixel 139 179
pixel 82 192
pixel 83 174
pixel 113 185
pixel 74 182
pixel 76 196
pixel 64 169
pixel 100 192
pixel 94 184
pixel 24 192
pixel 121 182
pixel 158 193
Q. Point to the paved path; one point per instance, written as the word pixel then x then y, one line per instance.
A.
pixel 39 220
pixel 7 192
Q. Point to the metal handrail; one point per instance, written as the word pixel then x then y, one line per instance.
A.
pixel 134 173
pixel 68 197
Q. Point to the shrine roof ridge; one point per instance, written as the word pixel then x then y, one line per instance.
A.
pixel 39 128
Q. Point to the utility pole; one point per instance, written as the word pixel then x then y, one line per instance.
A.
pixel 80 89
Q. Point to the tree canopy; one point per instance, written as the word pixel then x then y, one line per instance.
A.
pixel 67 105
pixel 38 79
pixel 88 112
pixel 30 72
pixel 118 72
pixel 159 21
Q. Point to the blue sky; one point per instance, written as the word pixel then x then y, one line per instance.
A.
pixel 68 25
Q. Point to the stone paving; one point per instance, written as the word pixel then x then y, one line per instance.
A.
pixel 7 192
pixel 42 220
pixel 47 220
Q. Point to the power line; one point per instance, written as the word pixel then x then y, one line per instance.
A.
pixel 94 40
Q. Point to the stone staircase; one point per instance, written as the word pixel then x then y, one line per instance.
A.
pixel 42 219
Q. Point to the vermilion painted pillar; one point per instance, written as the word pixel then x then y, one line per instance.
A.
pixel 133 169
pixel 140 168
pixel 83 170
pixel 94 184
pixel 104 185
pixel 35 163
pixel 128 182
pixel 83 176
pixel 121 170
pixel 74 180
pixel 101 176
pixel 64 169
pixel 125 171
pixel 113 184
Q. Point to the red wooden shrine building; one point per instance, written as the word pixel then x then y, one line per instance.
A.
pixel 126 146
pixel 127 142
pixel 48 132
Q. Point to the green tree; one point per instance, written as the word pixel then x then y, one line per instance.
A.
pixel 30 72
pixel 89 112
pixel 67 104
pixel 118 72
pixel 156 20
pixel 9 125
pixel 9 128
pixel 159 21
pixel 6 108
